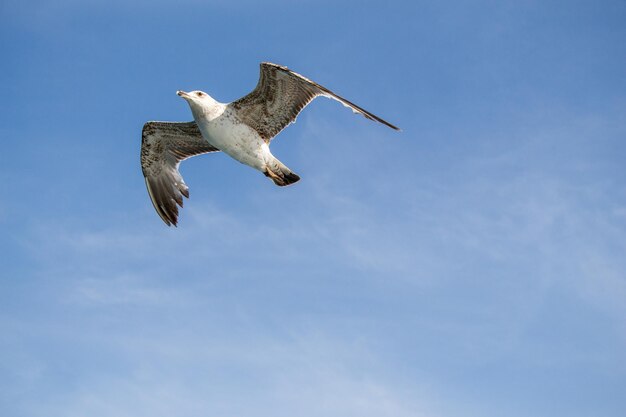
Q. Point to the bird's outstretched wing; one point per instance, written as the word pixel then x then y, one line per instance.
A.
pixel 163 146
pixel 278 98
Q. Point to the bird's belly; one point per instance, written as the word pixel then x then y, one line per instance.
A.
pixel 236 140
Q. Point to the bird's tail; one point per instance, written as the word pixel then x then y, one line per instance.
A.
pixel 279 173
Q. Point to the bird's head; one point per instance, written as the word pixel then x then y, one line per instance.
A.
pixel 199 101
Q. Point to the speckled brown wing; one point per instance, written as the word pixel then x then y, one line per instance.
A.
pixel 163 146
pixel 278 98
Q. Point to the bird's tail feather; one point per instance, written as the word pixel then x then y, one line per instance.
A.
pixel 279 173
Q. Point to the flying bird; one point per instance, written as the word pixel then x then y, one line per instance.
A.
pixel 242 129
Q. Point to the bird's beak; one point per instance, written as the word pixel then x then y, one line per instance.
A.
pixel 182 94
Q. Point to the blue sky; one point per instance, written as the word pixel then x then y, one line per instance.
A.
pixel 471 265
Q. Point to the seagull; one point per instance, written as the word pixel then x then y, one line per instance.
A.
pixel 242 129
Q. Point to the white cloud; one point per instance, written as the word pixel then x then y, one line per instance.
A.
pixel 119 290
pixel 197 374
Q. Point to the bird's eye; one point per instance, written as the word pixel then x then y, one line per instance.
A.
pixel 199 93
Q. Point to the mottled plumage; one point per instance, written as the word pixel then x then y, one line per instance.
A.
pixel 278 98
pixel 242 129
pixel 163 146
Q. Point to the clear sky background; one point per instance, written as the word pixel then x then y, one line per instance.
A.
pixel 473 264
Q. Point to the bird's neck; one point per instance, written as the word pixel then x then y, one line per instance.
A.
pixel 209 110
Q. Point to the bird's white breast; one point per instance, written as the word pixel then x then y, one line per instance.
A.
pixel 234 138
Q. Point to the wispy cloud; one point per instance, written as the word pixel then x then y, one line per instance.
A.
pixel 197 367
pixel 472 264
